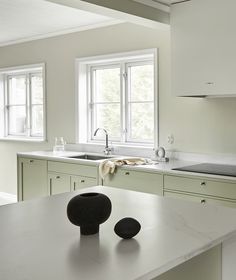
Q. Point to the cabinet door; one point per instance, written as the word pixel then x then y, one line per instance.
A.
pixel 202 186
pixel 58 183
pixel 80 182
pixel 32 178
pixel 201 199
pixel 203 48
pixel 136 181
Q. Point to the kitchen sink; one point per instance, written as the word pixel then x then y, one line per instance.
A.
pixel 90 157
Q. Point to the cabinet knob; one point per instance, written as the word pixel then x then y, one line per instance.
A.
pixel 82 181
pixel 31 161
pixel 58 177
pixel 203 184
pixel 203 201
pixel 126 173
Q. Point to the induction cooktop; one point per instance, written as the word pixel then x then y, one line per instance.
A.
pixel 210 168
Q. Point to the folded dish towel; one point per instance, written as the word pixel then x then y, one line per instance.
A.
pixel 109 165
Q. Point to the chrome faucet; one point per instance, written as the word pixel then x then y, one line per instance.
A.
pixel 107 150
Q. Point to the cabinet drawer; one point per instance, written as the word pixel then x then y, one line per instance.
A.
pixel 80 182
pixel 73 169
pixel 58 183
pixel 136 180
pixel 201 186
pixel 201 199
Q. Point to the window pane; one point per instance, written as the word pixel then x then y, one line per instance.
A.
pixel 107 85
pixel 142 121
pixel 141 83
pixel 17 120
pixel 37 120
pixel 37 89
pixel 108 117
pixel 17 90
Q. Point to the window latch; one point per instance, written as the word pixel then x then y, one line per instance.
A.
pixel 125 75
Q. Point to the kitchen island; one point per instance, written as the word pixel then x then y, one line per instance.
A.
pixel 38 242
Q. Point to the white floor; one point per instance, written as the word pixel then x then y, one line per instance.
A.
pixel 7 198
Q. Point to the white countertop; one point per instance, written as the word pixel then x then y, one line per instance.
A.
pixel 159 167
pixel 38 242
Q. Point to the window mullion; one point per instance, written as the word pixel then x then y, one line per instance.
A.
pixel 6 109
pixel 128 98
pixel 28 105
pixel 122 103
pixel 91 107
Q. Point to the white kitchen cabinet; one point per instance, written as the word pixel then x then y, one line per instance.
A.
pixel 203 48
pixel 58 183
pixel 65 177
pixel 80 182
pixel 32 178
pixel 135 180
pixel 201 189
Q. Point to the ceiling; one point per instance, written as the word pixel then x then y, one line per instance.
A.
pixel 24 20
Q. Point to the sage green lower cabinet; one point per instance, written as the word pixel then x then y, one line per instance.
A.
pixel 65 177
pixel 204 200
pixel 135 180
pixel 201 189
pixel 80 182
pixel 32 178
pixel 206 266
pixel 58 183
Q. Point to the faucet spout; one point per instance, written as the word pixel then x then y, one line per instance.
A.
pixel 107 149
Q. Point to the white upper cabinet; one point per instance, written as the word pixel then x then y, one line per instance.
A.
pixel 203 38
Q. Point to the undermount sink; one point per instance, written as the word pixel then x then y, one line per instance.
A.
pixel 91 157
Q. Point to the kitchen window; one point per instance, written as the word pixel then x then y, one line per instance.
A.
pixel 23 103
pixel 121 96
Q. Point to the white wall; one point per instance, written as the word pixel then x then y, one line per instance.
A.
pixel 205 126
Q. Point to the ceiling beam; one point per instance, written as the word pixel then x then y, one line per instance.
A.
pixel 126 10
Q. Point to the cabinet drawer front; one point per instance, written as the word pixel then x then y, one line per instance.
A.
pixel 58 183
pixel 80 182
pixel 73 169
pixel 200 199
pixel 34 162
pixel 201 186
pixel 135 180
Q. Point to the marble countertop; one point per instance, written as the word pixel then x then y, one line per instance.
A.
pixel 38 242
pixel 159 167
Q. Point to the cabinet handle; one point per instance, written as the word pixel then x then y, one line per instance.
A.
pixel 126 173
pixel 203 201
pixel 82 181
pixel 74 186
pixel 50 186
pixel 31 161
pixel 58 177
pixel 203 184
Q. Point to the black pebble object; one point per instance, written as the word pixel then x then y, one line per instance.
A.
pixel 89 210
pixel 127 228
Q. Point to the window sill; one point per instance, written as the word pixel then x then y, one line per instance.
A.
pixel 19 139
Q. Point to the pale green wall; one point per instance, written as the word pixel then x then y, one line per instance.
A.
pixel 205 126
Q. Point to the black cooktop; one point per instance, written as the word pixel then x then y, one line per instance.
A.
pixel 210 168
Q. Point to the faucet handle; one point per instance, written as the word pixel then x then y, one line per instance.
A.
pixel 108 150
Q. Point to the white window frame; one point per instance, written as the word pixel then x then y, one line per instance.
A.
pixel 84 130
pixel 28 71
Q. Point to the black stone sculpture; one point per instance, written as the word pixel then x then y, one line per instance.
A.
pixel 127 228
pixel 89 210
